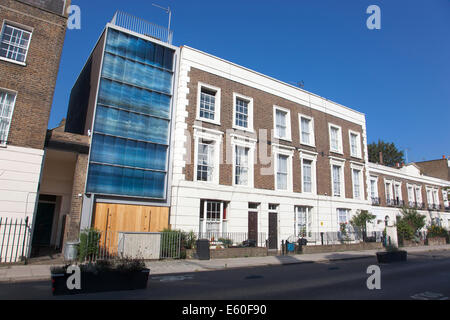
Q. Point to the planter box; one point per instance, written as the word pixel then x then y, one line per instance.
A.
pixel 101 282
pixel 436 241
pixel 342 247
pixel 389 257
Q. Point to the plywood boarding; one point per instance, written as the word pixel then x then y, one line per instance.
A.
pixel 113 218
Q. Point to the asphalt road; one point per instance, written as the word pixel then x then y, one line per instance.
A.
pixel 426 276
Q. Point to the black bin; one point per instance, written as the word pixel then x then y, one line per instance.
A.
pixel 203 249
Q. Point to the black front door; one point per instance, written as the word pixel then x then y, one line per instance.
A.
pixel 253 227
pixel 273 230
pixel 43 225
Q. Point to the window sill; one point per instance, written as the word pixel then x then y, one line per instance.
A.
pixel 243 129
pixel 308 145
pixel 284 139
pixel 337 152
pixel 217 123
pixel 23 64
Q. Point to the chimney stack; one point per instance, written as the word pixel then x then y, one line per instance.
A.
pixel 381 157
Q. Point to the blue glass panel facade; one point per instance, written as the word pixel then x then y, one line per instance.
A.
pixel 130 144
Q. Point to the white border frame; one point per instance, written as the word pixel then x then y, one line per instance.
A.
pixel 359 168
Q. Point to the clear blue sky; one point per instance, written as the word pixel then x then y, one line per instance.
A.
pixel 398 76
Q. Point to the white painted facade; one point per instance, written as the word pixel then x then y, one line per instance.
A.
pixel 20 170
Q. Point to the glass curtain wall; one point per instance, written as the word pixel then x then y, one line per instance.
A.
pixel 130 144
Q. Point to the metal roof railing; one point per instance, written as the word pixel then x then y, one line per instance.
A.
pixel 141 26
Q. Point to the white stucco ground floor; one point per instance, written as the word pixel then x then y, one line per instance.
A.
pixel 276 214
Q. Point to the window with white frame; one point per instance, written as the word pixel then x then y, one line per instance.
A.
pixel 308 165
pixel 445 197
pixel 306 130
pixel 282 118
pixel 343 216
pixel 388 187
pixel 374 188
pixel 335 138
pixel 418 191
pixel 7 102
pixel 243 112
pixel 205 160
pixel 337 180
pixel 397 191
pixel 242 166
pixel 283 168
pixel 208 103
pixel 429 196
pixel 357 183
pixel 282 172
pixel 307 176
pixel 14 43
pixel 355 144
pixel 411 197
pixel 213 217
pixel 435 197
pixel 303 221
pixel 207 154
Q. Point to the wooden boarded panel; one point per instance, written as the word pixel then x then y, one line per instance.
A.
pixel 113 218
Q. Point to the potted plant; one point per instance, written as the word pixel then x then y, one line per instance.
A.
pixel 437 235
pixel 392 254
pixel 102 276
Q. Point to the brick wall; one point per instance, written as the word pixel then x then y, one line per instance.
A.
pixel 263 119
pixel 35 82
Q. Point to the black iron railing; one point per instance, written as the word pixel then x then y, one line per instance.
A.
pixel 14 239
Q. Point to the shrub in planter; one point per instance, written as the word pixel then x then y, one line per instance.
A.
pixel 127 274
pixel 89 246
pixel 227 243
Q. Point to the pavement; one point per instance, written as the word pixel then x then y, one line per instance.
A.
pixel 20 273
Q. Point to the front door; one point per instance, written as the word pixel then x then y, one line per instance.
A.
pixel 253 227
pixel 43 225
pixel 273 230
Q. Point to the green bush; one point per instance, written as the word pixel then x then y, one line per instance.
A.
pixel 404 230
pixel 226 242
pixel 437 231
pixel 89 246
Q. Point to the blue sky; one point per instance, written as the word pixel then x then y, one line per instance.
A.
pixel 398 76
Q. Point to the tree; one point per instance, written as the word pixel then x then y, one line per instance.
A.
pixel 361 219
pixel 409 224
pixel 391 155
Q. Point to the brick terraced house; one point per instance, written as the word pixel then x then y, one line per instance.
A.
pixel 31 40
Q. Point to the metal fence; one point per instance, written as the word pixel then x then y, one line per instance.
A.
pixel 338 237
pixel 97 245
pixel 234 239
pixel 15 236
pixel 141 26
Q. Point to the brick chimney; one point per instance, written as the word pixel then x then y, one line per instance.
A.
pixel 381 157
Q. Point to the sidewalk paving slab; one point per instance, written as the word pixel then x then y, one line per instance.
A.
pixel 15 273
